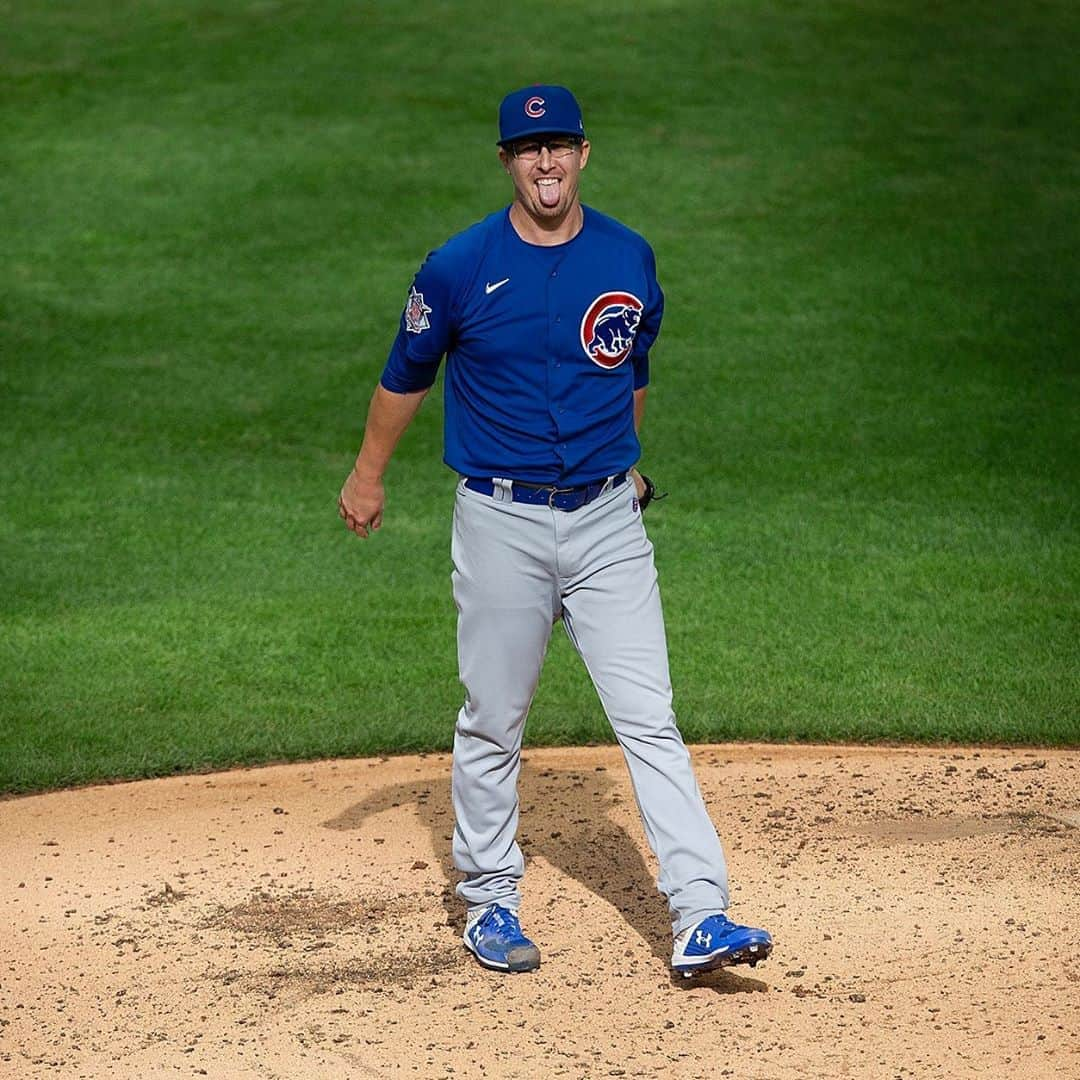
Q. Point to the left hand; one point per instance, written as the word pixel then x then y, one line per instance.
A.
pixel 646 490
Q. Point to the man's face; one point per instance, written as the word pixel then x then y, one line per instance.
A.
pixel 545 172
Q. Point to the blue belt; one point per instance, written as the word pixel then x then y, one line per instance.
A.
pixel 571 498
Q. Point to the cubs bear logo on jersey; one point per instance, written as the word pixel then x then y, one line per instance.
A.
pixel 416 312
pixel 609 326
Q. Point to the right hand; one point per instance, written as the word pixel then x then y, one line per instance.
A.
pixel 360 504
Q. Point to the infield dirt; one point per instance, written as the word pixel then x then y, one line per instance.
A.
pixel 296 921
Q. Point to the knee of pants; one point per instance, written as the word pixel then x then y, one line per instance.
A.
pixel 493 730
pixel 646 722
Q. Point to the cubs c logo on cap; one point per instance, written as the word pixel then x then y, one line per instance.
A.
pixel 534 108
pixel 609 326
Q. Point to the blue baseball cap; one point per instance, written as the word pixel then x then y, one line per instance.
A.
pixel 539 110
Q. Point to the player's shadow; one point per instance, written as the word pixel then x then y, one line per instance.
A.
pixel 564 820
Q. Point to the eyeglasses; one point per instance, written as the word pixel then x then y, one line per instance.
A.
pixel 558 148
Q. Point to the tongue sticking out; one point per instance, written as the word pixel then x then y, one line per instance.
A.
pixel 549 194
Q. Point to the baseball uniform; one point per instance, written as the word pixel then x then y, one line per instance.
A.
pixel 544 347
pixel 545 313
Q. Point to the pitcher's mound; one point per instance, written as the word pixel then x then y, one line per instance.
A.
pixel 300 922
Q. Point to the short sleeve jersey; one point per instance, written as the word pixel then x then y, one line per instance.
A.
pixel 544 347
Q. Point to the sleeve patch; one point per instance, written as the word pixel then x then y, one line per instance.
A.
pixel 416 312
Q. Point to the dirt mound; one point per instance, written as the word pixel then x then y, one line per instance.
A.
pixel 300 920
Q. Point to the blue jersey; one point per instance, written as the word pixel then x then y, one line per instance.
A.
pixel 544 347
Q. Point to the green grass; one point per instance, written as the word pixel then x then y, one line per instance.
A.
pixel 865 398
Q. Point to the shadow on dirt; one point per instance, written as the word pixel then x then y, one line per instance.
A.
pixel 564 820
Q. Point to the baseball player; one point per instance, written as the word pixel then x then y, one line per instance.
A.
pixel 545 311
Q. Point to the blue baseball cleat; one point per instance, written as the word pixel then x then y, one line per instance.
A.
pixel 496 940
pixel 718 942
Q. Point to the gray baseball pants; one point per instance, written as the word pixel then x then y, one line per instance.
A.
pixel 516 567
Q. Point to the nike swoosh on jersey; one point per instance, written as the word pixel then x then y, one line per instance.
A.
pixel 490 287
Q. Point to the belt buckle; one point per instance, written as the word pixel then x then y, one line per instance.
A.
pixel 558 491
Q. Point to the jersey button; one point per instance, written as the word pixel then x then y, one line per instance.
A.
pixel 554 273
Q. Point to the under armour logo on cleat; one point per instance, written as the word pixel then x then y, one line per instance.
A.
pixel 704 940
